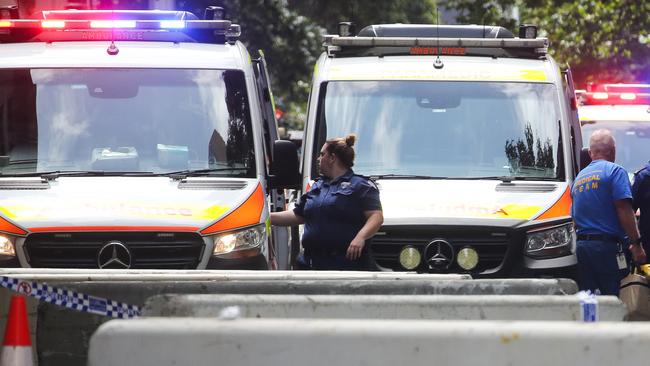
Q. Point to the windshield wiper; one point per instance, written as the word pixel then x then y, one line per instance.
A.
pixel 53 175
pixel 506 179
pixel 200 172
pixel 403 176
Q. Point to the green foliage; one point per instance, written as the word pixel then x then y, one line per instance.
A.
pixel 488 12
pixel 600 40
pixel 328 13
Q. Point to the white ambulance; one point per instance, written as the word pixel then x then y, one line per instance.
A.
pixel 471 135
pixel 137 139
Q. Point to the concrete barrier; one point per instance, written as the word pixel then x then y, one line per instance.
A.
pixel 281 342
pixel 58 275
pixel 442 307
pixel 63 334
pixel 64 276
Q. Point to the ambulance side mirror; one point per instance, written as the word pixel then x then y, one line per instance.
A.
pixel 284 167
pixel 585 159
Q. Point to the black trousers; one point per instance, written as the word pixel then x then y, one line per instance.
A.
pixel 335 260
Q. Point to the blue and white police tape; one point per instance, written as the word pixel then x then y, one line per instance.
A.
pixel 70 299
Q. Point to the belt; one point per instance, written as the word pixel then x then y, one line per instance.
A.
pixel 599 237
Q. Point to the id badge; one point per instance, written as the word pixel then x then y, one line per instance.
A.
pixel 622 262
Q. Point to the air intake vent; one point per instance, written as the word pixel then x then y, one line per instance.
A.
pixel 538 188
pixel 22 184
pixel 207 184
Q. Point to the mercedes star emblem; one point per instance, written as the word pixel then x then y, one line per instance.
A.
pixel 439 254
pixel 114 255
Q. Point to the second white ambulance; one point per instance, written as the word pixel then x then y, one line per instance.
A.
pixel 471 135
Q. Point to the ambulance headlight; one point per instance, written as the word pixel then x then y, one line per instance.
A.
pixel 7 248
pixel 249 238
pixel 410 258
pixel 549 242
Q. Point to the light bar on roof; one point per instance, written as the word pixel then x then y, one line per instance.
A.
pixel 435 42
pixel 160 30
pixel 117 24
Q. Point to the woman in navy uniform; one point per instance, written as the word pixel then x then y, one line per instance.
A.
pixel 340 212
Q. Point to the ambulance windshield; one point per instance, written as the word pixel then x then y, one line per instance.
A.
pixel 462 130
pixel 125 120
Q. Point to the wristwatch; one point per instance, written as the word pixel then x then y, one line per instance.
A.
pixel 637 241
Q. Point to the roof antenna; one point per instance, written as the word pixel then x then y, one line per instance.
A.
pixel 112 49
pixel 438 62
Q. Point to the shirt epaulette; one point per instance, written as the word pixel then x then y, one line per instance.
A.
pixel 371 182
pixel 642 169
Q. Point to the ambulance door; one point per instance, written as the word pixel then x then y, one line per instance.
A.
pixel 280 235
pixel 574 122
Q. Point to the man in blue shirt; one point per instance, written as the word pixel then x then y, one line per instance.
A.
pixel 641 196
pixel 604 218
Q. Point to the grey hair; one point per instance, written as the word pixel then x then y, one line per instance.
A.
pixel 602 142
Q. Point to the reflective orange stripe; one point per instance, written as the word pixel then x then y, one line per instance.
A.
pixel 561 208
pixel 247 214
pixel 8 227
pixel 113 228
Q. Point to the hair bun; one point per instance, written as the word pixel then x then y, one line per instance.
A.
pixel 350 139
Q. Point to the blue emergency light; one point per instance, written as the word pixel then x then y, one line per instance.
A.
pixel 118 25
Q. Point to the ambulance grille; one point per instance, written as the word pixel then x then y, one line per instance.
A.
pixel 149 250
pixel 491 247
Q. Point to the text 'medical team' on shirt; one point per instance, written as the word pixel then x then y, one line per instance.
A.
pixel 594 192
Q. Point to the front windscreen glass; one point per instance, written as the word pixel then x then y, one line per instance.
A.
pixel 632 141
pixel 462 130
pixel 119 120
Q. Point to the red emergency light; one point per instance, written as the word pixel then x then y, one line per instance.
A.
pixel 614 94
pixel 119 25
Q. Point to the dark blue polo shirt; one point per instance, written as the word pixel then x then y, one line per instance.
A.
pixel 594 191
pixel 641 195
pixel 334 211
